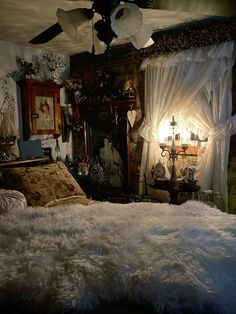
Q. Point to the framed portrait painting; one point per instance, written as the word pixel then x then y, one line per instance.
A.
pixel 41 110
pixel 45 111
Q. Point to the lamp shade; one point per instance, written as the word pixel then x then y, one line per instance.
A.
pixel 93 44
pixel 126 20
pixel 142 38
pixel 149 43
pixel 72 21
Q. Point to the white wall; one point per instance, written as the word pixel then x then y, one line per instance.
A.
pixel 9 52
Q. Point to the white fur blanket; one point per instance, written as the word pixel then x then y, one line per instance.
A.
pixel 78 257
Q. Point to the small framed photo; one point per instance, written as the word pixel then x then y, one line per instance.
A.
pixel 41 108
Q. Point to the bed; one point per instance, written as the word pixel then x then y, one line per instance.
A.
pixel 74 255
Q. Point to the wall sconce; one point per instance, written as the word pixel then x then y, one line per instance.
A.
pixel 172 151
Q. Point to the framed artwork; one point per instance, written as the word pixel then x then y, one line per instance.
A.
pixel 41 110
pixel 67 123
pixel 108 140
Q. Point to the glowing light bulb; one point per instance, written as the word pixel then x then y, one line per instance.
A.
pixel 185 137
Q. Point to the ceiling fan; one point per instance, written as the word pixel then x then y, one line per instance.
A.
pixel 117 19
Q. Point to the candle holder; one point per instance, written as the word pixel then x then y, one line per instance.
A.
pixel 172 151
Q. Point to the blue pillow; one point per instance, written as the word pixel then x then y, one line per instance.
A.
pixel 30 149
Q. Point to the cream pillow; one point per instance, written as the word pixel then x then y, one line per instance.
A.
pixel 76 199
pixel 11 199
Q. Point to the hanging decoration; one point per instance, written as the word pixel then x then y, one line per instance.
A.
pixel 7 129
pixel 131 115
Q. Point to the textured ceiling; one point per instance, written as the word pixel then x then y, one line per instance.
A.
pixel 22 20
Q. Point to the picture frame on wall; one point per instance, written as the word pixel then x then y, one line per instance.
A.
pixel 45 112
pixel 41 109
pixel 108 146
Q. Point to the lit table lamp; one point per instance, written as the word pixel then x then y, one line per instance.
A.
pixel 172 151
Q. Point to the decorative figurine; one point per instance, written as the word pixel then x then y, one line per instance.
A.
pixel 188 174
pixel 158 171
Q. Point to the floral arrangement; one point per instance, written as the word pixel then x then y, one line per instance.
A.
pixel 73 84
pixel 97 174
pixel 43 67
pixel 75 90
pixel 77 123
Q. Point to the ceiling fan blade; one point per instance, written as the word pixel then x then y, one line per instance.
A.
pixel 47 35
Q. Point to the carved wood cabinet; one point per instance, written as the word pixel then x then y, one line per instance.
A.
pixel 41 110
pixel 109 91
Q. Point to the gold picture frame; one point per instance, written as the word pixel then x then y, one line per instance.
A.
pixel 41 109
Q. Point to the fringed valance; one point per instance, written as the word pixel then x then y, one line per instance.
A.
pixel 199 34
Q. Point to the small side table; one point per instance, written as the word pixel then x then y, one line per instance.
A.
pixel 175 188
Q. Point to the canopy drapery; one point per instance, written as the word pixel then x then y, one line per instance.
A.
pixel 197 85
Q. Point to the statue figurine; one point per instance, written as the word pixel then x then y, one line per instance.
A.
pixel 128 90
pixel 188 174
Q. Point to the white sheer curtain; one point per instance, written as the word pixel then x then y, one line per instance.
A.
pixel 174 83
pixel 212 110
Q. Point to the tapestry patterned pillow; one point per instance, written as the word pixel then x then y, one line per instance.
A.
pixel 42 184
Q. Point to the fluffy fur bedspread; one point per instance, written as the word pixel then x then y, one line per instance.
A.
pixel 75 258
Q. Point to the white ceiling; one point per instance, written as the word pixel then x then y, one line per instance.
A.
pixel 21 20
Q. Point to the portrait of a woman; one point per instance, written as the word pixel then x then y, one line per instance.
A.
pixel 45 110
pixel 112 163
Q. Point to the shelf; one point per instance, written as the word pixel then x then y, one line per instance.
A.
pixel 24 162
pixel 90 109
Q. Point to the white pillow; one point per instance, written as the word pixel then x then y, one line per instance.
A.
pixel 11 199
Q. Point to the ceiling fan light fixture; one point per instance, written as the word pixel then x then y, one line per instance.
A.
pixel 93 44
pixel 142 38
pixel 126 20
pixel 73 21
pixel 104 31
pixel 105 37
pixel 149 43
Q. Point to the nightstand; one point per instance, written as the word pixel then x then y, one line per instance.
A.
pixel 179 191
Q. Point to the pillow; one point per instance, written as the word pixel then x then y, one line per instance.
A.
pixel 10 199
pixel 76 199
pixel 42 184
